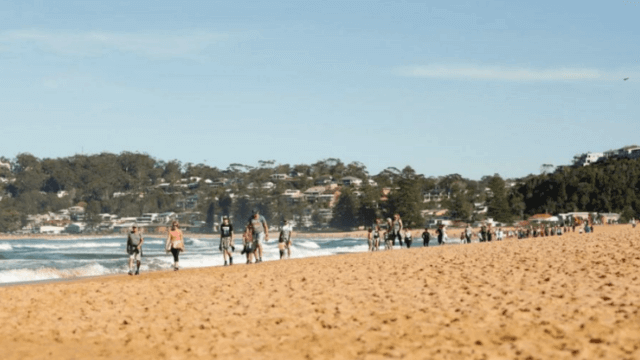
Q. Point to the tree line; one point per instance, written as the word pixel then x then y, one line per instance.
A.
pixel 125 184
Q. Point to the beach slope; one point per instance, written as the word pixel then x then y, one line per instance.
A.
pixel 569 297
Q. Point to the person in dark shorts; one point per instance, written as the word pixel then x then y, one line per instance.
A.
pixel 483 233
pixel 408 237
pixel 468 231
pixel 226 241
pixel 426 237
pixel 440 234
pixel 247 240
pixel 134 249
pixel 376 238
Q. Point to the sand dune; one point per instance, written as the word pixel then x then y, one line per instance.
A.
pixel 573 297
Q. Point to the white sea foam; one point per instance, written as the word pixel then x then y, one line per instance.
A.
pixel 69 246
pixel 26 275
pixel 154 242
pixel 308 244
pixel 196 242
pixel 5 247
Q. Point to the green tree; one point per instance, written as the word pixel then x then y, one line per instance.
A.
pixel 345 212
pixel 498 204
pixel 460 205
pixel 406 201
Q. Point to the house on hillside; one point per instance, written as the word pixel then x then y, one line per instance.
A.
pixel 351 181
pixel 277 177
pixel 293 196
pixel 436 195
pixel 76 213
pixel 324 180
pixel 312 193
pixel 587 159
pixel 220 182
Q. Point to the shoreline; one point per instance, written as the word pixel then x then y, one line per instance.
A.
pixel 453 233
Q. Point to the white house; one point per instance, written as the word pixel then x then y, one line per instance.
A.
pixel 588 158
pixel 49 229
pixel 351 180
pixel 436 195
pixel 312 193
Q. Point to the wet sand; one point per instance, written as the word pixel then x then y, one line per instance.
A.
pixel 569 297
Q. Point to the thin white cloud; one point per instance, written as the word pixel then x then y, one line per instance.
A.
pixel 502 73
pixel 98 43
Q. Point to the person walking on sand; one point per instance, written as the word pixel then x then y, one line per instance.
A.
pixel 397 229
pixel 284 240
pixel 376 238
pixel 468 231
pixel 226 241
pixel 370 238
pixel 134 249
pixel 175 244
pixel 426 237
pixel 260 233
pixel 440 233
pixel 408 237
pixel 388 239
pixel 483 233
pixel 247 240
pixel 489 233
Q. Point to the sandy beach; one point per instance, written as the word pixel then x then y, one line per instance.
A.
pixel 569 297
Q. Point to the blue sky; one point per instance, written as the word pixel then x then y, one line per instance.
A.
pixel 468 87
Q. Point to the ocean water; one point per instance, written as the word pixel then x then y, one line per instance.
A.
pixel 36 259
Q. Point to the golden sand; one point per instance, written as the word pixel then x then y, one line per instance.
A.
pixel 569 297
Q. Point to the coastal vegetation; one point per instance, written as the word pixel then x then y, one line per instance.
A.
pixel 130 184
